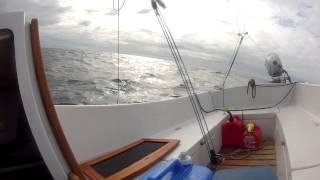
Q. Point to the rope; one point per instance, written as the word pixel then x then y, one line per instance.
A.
pixel 117 10
pixel 239 154
pixel 186 80
pixel 253 86
pixel 170 43
pixel 237 16
pixel 234 16
pixel 261 108
pixel 118 50
pixel 240 17
pixel 242 36
pixel 188 77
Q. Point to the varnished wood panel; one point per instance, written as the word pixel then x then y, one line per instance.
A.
pixel 48 103
pixel 135 168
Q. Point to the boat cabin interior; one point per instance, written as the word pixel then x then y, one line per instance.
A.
pixel 20 157
pixel 149 140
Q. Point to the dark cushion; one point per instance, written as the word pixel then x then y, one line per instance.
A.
pixel 249 173
pixel 9 115
pixel 10 104
pixel 8 75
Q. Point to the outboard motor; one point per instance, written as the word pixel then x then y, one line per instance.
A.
pixel 275 69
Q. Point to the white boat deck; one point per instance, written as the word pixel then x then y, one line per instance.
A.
pixel 95 130
pixel 301 132
pixel 306 174
pixel 189 134
pixel 300 129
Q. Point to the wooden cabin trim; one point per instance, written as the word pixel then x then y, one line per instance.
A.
pixel 113 153
pixel 134 169
pixel 48 102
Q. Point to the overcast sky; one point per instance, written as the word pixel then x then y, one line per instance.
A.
pixel 205 30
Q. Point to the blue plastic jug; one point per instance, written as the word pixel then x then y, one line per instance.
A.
pixel 174 170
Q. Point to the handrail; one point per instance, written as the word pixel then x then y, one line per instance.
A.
pixel 49 106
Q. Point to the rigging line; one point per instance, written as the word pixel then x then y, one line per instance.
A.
pixel 180 58
pixel 233 54
pixel 183 78
pixel 189 87
pixel 268 107
pixel 234 15
pixel 119 8
pixel 169 41
pixel 188 78
pixel 187 74
pixel 256 44
pixel 237 16
pixel 259 47
pixel 242 35
pixel 278 85
pixel 240 16
pixel 261 108
pixel 118 49
pixel 180 69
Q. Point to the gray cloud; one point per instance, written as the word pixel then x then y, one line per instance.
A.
pixel 303 10
pixel 92 11
pixel 97 28
pixel 301 14
pixel 144 11
pixel 147 31
pixel 110 13
pixel 84 23
pixel 284 21
pixel 293 18
pixel 71 38
pixel 3 3
pixel 48 12
pixel 306 5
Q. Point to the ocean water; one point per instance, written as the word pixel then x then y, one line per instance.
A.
pixel 90 77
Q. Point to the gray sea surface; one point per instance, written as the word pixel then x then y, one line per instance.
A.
pixel 91 77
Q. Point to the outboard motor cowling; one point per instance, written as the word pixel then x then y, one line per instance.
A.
pixel 275 69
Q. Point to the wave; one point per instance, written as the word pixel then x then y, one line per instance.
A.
pixel 91 77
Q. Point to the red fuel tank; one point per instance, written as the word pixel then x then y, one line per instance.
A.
pixel 232 132
pixel 251 139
